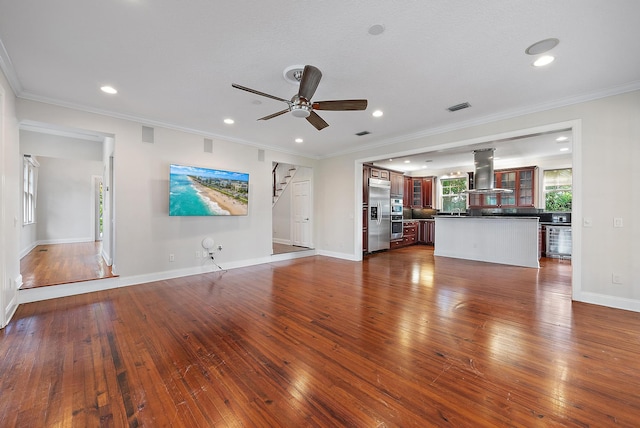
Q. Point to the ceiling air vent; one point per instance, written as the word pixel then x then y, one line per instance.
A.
pixel 459 107
pixel 360 134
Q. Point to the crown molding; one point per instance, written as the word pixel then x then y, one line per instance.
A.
pixel 150 122
pixel 7 68
pixel 563 102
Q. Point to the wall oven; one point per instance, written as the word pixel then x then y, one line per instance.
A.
pixel 396 218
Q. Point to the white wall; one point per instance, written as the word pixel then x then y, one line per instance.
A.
pixel 10 217
pixel 65 200
pixel 145 235
pixel 64 194
pixel 606 178
pixel 605 163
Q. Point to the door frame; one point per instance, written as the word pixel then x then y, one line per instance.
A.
pixel 309 224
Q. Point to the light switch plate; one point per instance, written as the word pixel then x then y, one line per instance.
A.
pixel 617 222
pixel 587 222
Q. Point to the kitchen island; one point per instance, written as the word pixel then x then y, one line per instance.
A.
pixel 500 239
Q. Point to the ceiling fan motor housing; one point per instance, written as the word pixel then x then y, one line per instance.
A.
pixel 300 107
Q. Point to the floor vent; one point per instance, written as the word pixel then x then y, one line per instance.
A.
pixel 459 107
pixel 361 133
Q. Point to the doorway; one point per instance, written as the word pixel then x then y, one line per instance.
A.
pixel 74 180
pixel 292 221
pixel 573 129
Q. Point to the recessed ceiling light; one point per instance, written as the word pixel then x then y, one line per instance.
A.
pixel 376 29
pixel 298 140
pixel 407 161
pixel 109 89
pixel 543 60
pixel 390 160
pixel 542 46
pixel 561 139
pixel 377 113
pixel 229 121
pixel 564 149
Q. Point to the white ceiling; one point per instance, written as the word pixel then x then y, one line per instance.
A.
pixel 174 62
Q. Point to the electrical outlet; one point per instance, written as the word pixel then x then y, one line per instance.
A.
pixel 616 278
pixel 617 222
pixel 220 247
pixel 172 258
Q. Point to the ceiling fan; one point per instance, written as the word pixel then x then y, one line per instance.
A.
pixel 301 104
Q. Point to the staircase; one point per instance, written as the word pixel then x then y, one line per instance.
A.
pixel 281 177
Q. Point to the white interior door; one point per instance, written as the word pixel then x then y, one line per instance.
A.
pixel 302 214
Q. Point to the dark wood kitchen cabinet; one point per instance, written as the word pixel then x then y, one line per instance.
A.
pixel 366 173
pixel 410 232
pixel 421 192
pixel 427 192
pixel 365 229
pixel 397 184
pixel 382 174
pixel 427 233
pixel 520 180
pixel 407 196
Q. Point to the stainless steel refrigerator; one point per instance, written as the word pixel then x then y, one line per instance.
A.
pixel 379 226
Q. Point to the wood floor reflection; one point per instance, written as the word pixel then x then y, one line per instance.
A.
pixel 55 264
pixel 401 339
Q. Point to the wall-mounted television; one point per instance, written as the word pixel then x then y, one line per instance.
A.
pixel 197 191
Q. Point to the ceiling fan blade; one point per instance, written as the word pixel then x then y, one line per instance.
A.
pixel 271 116
pixel 317 121
pixel 253 91
pixel 340 105
pixel 309 82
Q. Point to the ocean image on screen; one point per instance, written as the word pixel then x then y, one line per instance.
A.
pixel 196 191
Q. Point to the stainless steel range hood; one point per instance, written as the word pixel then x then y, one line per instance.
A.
pixel 483 178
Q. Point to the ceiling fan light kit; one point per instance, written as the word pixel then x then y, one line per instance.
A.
pixel 300 104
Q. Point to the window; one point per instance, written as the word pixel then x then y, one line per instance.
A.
pixel 453 198
pixel 30 177
pixel 558 191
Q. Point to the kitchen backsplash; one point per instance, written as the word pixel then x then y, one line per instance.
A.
pixel 419 213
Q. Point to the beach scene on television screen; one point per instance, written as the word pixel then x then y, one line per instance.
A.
pixel 195 191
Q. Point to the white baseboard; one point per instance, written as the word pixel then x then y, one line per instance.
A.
pixel 65 241
pixel 343 256
pixel 71 289
pixel 30 248
pixel 282 241
pixel 27 250
pixel 610 301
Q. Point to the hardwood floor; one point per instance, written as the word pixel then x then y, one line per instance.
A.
pixel 63 263
pixel 400 339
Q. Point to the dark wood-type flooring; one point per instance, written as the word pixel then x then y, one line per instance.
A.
pixel 55 264
pixel 401 339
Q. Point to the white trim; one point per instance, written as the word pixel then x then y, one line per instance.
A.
pixel 609 301
pixel 576 211
pixel 508 114
pixel 282 241
pixel 576 128
pixel 65 241
pixel 343 256
pixel 71 289
pixel 9 71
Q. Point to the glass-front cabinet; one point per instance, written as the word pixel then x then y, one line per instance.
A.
pixel 520 180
